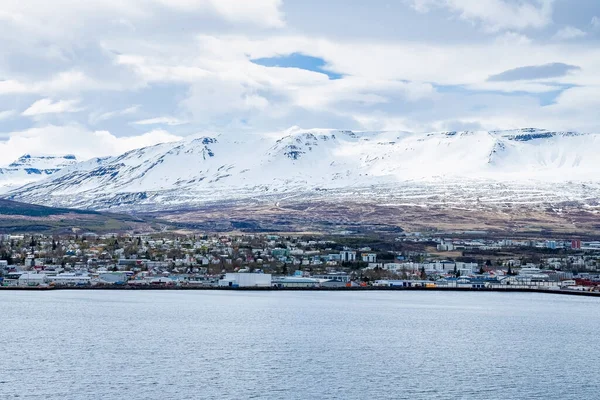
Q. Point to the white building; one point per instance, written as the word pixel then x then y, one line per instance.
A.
pixel 296 282
pixel 445 246
pixel 335 276
pixel 113 277
pixel 70 279
pixel 347 256
pixel 30 279
pixel 245 280
pixel 369 257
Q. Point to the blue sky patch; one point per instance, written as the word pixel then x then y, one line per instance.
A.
pixel 298 60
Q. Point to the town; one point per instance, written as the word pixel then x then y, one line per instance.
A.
pixel 414 260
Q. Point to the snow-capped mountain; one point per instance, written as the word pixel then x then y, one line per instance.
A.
pixel 30 168
pixel 200 170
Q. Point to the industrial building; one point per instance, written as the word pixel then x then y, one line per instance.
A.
pixel 245 280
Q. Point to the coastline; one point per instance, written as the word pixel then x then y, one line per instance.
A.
pixel 299 289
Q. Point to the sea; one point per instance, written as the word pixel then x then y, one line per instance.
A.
pixel 138 345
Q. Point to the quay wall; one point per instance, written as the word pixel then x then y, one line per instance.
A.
pixel 316 289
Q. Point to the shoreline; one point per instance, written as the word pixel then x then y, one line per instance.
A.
pixel 300 289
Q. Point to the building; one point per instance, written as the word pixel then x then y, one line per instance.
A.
pixel 369 257
pixel 117 278
pixel 280 252
pixel 296 282
pixel 444 246
pixel 347 256
pixel 245 280
pixel 31 279
pixel 337 277
pixel 69 279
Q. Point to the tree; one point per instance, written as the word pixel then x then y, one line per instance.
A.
pixel 4 255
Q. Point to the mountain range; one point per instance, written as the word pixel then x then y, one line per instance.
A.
pixel 30 168
pixel 513 166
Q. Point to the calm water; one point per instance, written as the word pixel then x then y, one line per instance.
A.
pixel 224 345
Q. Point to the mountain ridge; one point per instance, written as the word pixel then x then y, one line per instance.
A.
pixel 316 162
pixel 29 168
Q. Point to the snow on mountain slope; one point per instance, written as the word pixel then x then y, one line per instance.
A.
pixel 199 170
pixel 30 168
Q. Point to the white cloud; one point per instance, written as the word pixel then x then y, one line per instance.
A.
pixel 568 33
pixel 11 86
pixel 495 15
pixel 95 117
pixel 161 121
pixel 47 106
pixel 513 38
pixel 188 61
pixel 595 22
pixel 152 70
pixel 231 91
pixel 6 114
pixel 78 140
pixel 57 18
pixel 71 81
pixel 265 12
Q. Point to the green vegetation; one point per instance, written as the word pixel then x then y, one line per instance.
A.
pixel 18 217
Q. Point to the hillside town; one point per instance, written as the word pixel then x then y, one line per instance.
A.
pixel 280 261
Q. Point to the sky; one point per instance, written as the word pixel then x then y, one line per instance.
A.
pixel 101 77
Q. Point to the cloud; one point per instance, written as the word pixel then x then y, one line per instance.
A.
pixel 513 38
pixel 47 106
pixel 568 33
pixel 77 140
pixel 545 71
pixel 595 22
pixel 187 65
pixel 40 18
pixel 161 121
pixel 6 114
pixel 71 81
pixel 95 117
pixel 494 15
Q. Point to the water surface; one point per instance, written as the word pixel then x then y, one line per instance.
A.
pixel 298 345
